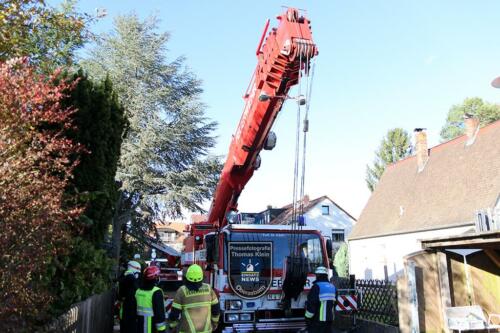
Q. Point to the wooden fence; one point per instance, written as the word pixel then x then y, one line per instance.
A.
pixel 379 301
pixel 94 315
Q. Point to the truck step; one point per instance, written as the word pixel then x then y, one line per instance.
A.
pixel 270 326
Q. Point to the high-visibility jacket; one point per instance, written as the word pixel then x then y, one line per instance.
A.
pixel 321 302
pixel 198 310
pixel 150 311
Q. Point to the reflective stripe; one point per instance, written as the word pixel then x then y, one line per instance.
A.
pixel 190 322
pixel 215 301
pixel 322 312
pixel 203 291
pixel 144 309
pixel 177 306
pixel 326 298
pixel 196 305
pixel 161 326
pixel 309 314
pixel 207 322
pixel 216 318
pixel 173 324
pixel 128 272
pixel 144 314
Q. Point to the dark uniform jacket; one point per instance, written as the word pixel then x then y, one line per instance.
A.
pixel 126 294
pixel 321 301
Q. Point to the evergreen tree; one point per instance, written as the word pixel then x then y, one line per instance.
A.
pixel 484 111
pixel 164 167
pixel 395 146
pixel 98 125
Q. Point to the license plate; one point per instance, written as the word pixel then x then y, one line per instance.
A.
pixel 273 297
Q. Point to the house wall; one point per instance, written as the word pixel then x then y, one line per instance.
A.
pixel 337 219
pixel 382 257
pixel 176 242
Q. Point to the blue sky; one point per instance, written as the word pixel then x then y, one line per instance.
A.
pixel 381 64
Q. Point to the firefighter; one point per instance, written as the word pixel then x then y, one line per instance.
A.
pixel 196 304
pixel 127 287
pixel 320 304
pixel 137 257
pixel 150 304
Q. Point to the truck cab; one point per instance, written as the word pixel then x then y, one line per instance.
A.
pixel 247 267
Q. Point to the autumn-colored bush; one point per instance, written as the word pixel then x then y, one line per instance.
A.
pixel 36 162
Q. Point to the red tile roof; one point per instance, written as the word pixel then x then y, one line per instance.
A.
pixel 175 226
pixel 286 216
pixel 457 180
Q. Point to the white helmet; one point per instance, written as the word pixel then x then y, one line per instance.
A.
pixel 134 266
pixel 321 270
pixel 137 256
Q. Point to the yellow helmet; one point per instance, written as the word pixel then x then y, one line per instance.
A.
pixel 194 273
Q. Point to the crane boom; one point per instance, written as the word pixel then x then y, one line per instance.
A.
pixel 281 56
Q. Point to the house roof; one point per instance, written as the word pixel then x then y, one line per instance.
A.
pixel 286 216
pixel 175 226
pixel 197 218
pixel 457 180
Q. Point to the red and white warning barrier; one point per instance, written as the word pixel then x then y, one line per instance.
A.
pixel 168 304
pixel 347 303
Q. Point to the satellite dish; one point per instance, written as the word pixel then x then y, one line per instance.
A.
pixel 496 83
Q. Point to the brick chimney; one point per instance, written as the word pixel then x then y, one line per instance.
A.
pixel 422 151
pixel 471 127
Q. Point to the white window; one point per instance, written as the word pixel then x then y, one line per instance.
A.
pixel 338 235
pixel 168 236
pixel 325 210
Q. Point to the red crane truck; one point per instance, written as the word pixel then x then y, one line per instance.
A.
pixel 261 273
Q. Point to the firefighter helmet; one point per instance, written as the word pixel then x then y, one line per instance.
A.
pixel 134 266
pixel 321 270
pixel 194 273
pixel 151 273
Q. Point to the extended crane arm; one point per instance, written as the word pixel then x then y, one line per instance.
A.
pixel 286 50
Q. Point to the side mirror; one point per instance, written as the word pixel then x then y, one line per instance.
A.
pixel 329 248
pixel 212 248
